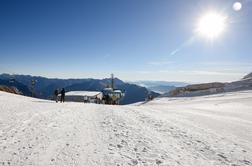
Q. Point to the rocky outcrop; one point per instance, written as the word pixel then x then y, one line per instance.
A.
pixel 244 84
pixel 9 89
pixel 248 76
pixel 197 89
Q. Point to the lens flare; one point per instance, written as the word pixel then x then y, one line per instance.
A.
pixel 237 6
pixel 211 25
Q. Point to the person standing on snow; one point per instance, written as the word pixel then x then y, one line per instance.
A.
pixel 56 92
pixel 62 95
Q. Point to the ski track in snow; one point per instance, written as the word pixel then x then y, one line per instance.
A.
pixel 207 130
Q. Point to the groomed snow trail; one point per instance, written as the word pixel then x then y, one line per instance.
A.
pixel 209 130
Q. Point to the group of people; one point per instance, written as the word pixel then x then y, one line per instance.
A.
pixel 62 95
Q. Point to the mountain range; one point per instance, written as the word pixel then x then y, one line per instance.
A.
pixel 160 86
pixel 44 87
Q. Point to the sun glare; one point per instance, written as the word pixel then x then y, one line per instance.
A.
pixel 211 25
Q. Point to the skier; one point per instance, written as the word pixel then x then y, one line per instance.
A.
pixel 62 95
pixel 56 92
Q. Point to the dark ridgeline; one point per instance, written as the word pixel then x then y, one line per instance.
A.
pixel 45 87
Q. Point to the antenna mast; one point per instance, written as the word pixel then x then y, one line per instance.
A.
pixel 112 81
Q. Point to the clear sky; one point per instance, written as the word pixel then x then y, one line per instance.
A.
pixel 134 39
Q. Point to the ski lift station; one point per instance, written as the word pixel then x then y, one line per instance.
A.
pixel 112 96
pixel 106 96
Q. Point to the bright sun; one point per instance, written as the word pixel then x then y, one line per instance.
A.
pixel 211 25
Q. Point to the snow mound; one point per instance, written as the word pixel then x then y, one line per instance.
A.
pixel 210 130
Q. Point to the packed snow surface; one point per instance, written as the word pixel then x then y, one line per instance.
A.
pixel 197 131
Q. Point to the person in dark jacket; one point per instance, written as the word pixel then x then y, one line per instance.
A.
pixel 62 95
pixel 56 92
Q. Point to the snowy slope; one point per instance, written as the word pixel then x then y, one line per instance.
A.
pixel 209 130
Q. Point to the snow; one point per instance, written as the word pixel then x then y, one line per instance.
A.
pixel 208 130
pixel 83 93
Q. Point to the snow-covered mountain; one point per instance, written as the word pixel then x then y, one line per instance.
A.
pixel 210 130
pixel 211 88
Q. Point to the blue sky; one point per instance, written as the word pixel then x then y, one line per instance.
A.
pixel 134 39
